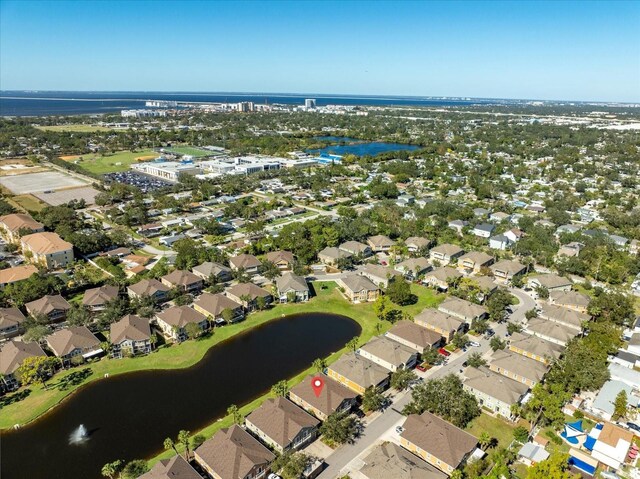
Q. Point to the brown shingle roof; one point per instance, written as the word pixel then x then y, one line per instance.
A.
pixel 10 317
pixel 439 438
pixel 130 327
pixel 245 261
pixel 232 453
pixel 415 334
pixel 214 304
pixel 495 385
pixel 99 296
pixel 14 352
pixel 180 277
pixel 359 370
pixel 390 461
pixel 249 289
pixel 63 341
pixel 331 396
pixel 19 273
pixel 47 304
pixel 148 287
pixel 280 256
pixel 174 468
pixel 180 316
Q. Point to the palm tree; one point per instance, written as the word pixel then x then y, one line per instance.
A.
pixel 352 344
pixel 110 469
pixel 183 438
pixel 169 444
pixel 319 364
pixel 484 440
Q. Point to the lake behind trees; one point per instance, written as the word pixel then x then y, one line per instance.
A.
pixel 352 146
pixel 129 416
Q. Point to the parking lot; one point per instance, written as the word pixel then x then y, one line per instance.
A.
pixel 39 182
pixel 146 183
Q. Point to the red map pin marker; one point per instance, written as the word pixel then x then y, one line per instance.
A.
pixel 317 384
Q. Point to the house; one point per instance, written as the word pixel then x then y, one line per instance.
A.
pixel 331 255
pixel 551 331
pixel 473 261
pixel 378 274
pixel 173 321
pixel 437 441
pixel 535 347
pixel 486 284
pixel 570 249
pixel 415 244
pixel 463 309
pixel 480 212
pixel 612 445
pixel 233 453
pixel 247 295
pixel 388 460
pixel 515 366
pixel 532 453
pixel 11 320
pixel 12 354
pixel 68 343
pixel 604 403
pixel 358 289
pixel 444 324
pixel 570 299
pixel 213 306
pixel 54 307
pixel 415 337
pixel 130 336
pixel 499 217
pixel 514 235
pixel 96 299
pixel 552 282
pixel 483 230
pixel 282 425
pixel 458 225
pixel 16 274
pixel 564 316
pixel 358 373
pixel 174 468
pixel 149 230
pixel 413 268
pixel 356 248
pixel 169 240
pixel 212 272
pixel 494 391
pixel 14 225
pixel 388 353
pixel 445 253
pixel 47 249
pixel 284 260
pixel 500 242
pixel 149 287
pixel 247 262
pixel 380 243
pixel 506 270
pixel 184 281
pixel 333 397
pixel 292 288
pixel 440 278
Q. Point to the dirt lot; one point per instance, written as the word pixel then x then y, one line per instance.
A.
pixel 59 197
pixel 39 182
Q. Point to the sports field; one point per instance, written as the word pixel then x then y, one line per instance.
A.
pixel 74 128
pixel 110 163
pixel 189 150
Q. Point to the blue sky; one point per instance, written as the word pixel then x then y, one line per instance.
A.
pixel 538 50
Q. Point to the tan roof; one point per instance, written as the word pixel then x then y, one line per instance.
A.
pixel 415 334
pixel 417 241
pixel 19 273
pixel 99 296
pixel 10 317
pixel 208 268
pixel 447 249
pixel 15 221
pixel 517 364
pixel 180 316
pixel 388 350
pixel 611 434
pixel 333 253
pixel 508 266
pixel 14 352
pixel 477 257
pixel 147 287
pixel 291 282
pixel 413 264
pixel 354 247
pixel 551 329
pixel 232 453
pixel 281 420
pixel 570 298
pixel 214 304
pixel 137 259
pixel 249 289
pixel 443 274
pixel 280 257
pixel 379 271
pixel 64 341
pixel 564 315
pixel 130 327
pixel 438 319
pixel 439 438
pixel 173 468
pixel 356 283
pixel 180 277
pixel 45 243
pixel 331 396
pixel 485 283
pixel 535 345
pixel 551 280
pixel 390 461
pixel 359 370
pixel 245 261
pixel 48 304
pixel 494 385
pixel 461 307
pixel 380 241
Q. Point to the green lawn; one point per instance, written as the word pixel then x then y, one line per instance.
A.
pixel 496 428
pixel 110 163
pixel 75 128
pixel 189 150
pixel 188 353
pixel 28 202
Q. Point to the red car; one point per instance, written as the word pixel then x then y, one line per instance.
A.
pixel 420 367
pixel 444 352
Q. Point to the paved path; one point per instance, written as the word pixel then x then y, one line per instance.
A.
pixel 386 422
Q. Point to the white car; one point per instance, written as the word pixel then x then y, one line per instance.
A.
pixel 475 344
pixel 273 475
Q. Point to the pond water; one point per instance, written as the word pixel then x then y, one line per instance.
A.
pixel 129 416
pixel 352 146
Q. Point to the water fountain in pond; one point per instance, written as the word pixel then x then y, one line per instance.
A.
pixel 79 435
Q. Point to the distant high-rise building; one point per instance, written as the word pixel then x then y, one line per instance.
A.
pixel 310 103
pixel 245 106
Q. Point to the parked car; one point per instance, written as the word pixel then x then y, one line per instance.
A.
pixel 399 429
pixel 273 475
pixel 475 344
pixel 421 367
pixel 609 475
pixel 444 352
pixel 633 426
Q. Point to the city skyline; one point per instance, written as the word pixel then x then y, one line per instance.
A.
pixel 571 51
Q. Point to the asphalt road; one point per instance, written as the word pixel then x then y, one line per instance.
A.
pixel 386 422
